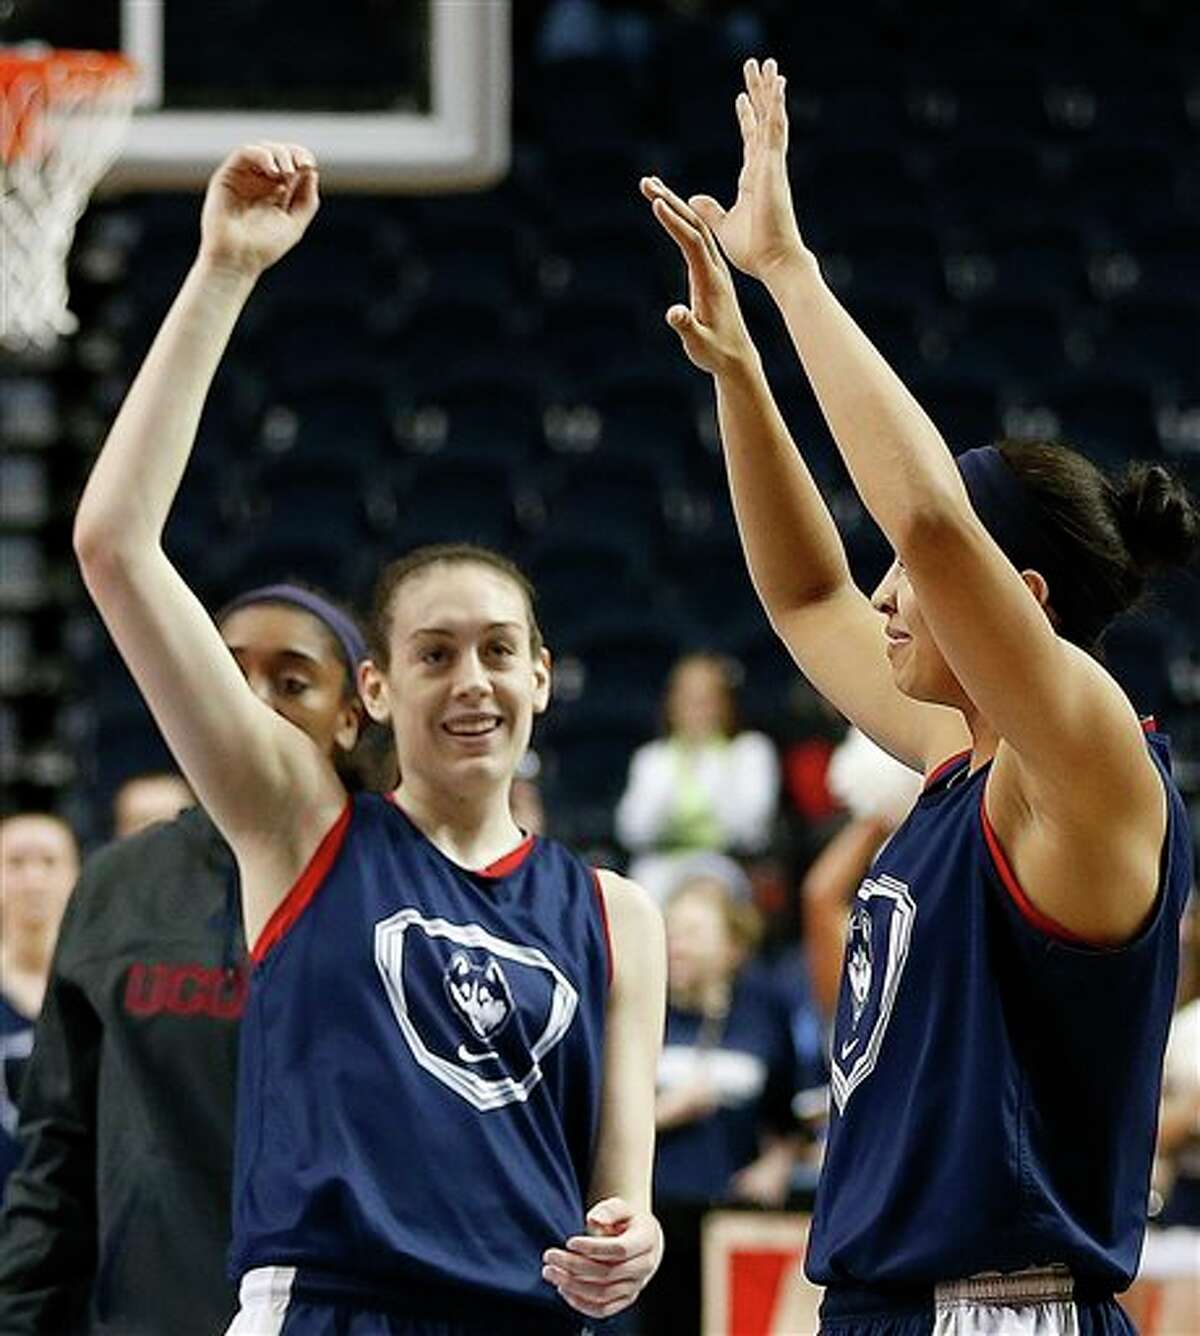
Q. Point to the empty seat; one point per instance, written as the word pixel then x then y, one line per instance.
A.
pixel 465 334
pixel 470 261
pixel 889 262
pixel 966 410
pixel 1108 420
pixel 582 578
pixel 603 259
pixel 650 414
pixel 488 411
pixel 1021 341
pixel 620 495
pixel 1156 340
pixel 452 498
pixel 580 340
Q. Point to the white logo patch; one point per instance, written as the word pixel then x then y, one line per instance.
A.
pixel 881 924
pixel 458 1043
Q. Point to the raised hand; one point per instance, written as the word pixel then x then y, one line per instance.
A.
pixel 759 233
pixel 710 327
pixel 603 1271
pixel 258 204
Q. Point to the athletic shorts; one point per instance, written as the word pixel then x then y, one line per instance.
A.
pixel 278 1301
pixel 1039 1302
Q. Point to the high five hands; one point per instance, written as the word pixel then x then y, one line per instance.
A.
pixel 259 203
pixel 759 233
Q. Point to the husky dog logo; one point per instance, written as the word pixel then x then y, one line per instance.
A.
pixel 858 962
pixel 509 1005
pixel 876 952
pixel 481 997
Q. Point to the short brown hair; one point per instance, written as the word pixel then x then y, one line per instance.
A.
pixel 395 573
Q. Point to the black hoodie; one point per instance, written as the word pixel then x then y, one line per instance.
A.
pixel 117 1219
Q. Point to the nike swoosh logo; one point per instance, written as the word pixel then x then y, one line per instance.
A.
pixel 847 1049
pixel 467 1056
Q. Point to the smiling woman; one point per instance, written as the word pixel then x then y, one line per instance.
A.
pixel 1015 942
pixel 445 1015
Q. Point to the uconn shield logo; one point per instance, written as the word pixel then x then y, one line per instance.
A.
pixel 877 944
pixel 478 1013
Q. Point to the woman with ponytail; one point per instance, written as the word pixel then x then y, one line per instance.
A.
pixel 1012 952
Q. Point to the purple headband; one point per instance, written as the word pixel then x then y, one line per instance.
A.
pixel 1014 517
pixel 348 636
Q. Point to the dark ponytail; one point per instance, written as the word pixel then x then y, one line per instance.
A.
pixel 1157 517
pixel 1110 534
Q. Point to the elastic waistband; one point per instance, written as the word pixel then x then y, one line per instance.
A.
pixel 436 1300
pixel 1046 1284
pixel 1050 1284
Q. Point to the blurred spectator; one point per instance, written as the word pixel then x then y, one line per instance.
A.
pixel 39 861
pixel 702 786
pixel 144 799
pixel 878 792
pixel 726 1080
pixel 525 797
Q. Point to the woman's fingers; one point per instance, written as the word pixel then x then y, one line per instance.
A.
pixel 753 76
pixel 698 228
pixel 577 1268
pixel 596 1299
pixel 747 120
pixel 653 187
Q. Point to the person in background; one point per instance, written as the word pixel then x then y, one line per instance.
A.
pixel 726 1079
pixel 127 1109
pixel 39 860
pixel 1165 1298
pixel 144 799
pixel 704 785
pixel 878 792
pixel 525 797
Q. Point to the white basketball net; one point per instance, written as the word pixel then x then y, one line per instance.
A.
pixel 62 119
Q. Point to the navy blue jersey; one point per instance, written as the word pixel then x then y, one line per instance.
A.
pixel 421 1064
pixel 995 1084
pixel 16 1044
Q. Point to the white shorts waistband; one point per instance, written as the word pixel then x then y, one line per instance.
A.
pixel 1044 1284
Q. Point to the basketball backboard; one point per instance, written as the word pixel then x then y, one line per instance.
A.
pixel 391 95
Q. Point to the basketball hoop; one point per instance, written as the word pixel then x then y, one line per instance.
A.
pixel 63 115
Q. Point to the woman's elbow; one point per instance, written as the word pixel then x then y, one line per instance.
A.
pixel 932 528
pixel 103 551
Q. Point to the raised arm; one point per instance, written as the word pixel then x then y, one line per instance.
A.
pixel 793 549
pixel 1053 706
pixel 603 1271
pixel 251 769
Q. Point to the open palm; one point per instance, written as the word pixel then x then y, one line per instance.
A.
pixel 760 230
pixel 258 204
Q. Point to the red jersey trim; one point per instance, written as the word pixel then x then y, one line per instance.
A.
pixel 603 907
pixel 502 867
pixel 939 770
pixel 309 882
pixel 1029 911
pixel 510 861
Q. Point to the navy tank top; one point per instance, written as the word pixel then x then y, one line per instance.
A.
pixel 421 1064
pixel 995 1082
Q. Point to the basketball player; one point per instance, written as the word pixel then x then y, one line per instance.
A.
pixel 1013 950
pixel 127 1101
pixel 447 1083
